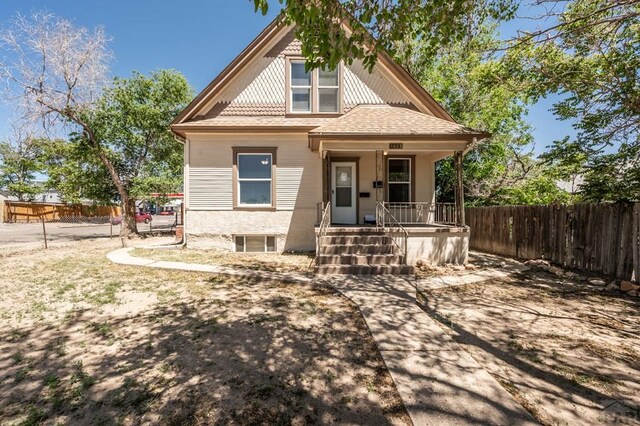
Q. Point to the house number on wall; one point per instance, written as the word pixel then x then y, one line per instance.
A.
pixel 395 146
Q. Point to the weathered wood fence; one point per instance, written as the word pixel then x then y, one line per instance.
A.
pixel 15 211
pixel 600 238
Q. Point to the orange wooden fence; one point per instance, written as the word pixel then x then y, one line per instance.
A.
pixel 14 211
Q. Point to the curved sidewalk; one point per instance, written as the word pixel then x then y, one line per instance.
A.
pixel 122 256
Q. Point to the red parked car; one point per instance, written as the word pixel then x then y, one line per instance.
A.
pixel 140 217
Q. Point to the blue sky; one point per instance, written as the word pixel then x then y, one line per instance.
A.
pixel 197 37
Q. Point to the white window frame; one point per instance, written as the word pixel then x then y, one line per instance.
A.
pixel 314 100
pixel 292 87
pixel 337 88
pixel 270 179
pixel 244 245
pixel 389 183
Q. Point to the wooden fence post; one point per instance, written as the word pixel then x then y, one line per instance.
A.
pixel 44 231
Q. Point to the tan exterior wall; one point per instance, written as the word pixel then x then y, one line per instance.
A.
pixel 438 248
pixel 424 178
pixel 211 220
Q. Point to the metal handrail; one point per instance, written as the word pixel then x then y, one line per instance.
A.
pixel 410 213
pixel 324 226
pixel 383 217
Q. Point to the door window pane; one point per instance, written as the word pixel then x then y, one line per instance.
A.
pixel 343 197
pixel 343 176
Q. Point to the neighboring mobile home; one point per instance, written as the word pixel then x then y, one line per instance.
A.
pixel 341 162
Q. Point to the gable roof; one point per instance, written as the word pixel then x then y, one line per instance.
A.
pixel 388 121
pixel 275 29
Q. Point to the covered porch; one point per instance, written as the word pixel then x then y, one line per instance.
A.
pixel 378 170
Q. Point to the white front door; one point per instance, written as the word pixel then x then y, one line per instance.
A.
pixel 343 193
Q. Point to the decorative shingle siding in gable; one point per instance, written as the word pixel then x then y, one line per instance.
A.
pixel 259 90
pixel 363 87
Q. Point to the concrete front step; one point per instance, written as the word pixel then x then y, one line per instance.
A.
pixel 351 231
pixel 347 239
pixel 363 249
pixel 356 259
pixel 364 269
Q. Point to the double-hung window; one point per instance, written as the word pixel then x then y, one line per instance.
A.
pixel 314 91
pixel 254 179
pixel 300 88
pixel 399 180
pixel 328 90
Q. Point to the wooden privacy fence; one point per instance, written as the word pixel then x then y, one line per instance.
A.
pixel 601 238
pixel 14 211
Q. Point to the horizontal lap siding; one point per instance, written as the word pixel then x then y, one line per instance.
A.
pixel 298 178
pixel 210 187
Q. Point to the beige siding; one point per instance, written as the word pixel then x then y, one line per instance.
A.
pixel 210 188
pixel 211 219
pixel 425 178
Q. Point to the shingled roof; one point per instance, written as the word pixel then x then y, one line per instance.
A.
pixel 392 121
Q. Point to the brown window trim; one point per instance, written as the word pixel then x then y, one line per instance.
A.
pixel 254 150
pixel 314 91
pixel 412 158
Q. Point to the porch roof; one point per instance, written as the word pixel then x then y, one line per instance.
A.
pixel 387 122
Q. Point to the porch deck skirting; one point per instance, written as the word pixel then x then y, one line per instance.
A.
pixel 438 244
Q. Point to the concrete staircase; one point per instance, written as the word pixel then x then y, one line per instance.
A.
pixel 359 251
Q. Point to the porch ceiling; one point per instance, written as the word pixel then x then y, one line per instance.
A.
pixel 381 124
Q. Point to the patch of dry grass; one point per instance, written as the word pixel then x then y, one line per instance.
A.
pixel 84 341
pixel 565 350
pixel 272 262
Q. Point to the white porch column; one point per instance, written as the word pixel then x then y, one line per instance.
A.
pixel 459 188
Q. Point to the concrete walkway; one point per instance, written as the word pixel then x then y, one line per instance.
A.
pixel 439 383
pixel 123 257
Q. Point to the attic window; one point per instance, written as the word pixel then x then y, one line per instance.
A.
pixel 315 91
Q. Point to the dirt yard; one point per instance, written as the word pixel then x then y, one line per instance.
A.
pixel 84 341
pixel 272 262
pixel 567 351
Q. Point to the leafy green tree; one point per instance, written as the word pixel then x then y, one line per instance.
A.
pixel 131 122
pixel 76 173
pixel 20 162
pixel 377 25
pixel 499 170
pixel 56 73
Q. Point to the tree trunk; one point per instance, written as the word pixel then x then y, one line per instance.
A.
pixel 128 226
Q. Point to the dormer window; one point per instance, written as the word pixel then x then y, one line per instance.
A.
pixel 300 88
pixel 315 91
